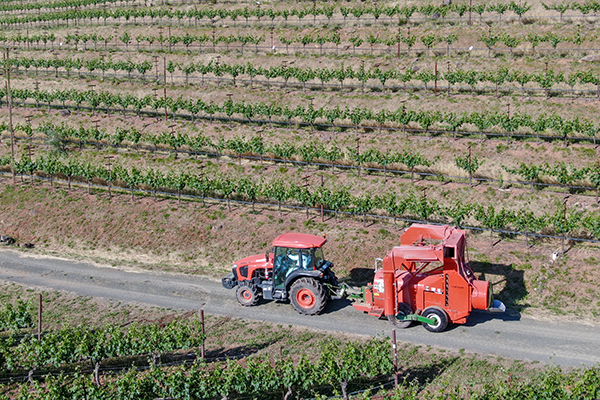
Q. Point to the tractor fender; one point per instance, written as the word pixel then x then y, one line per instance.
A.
pixel 301 273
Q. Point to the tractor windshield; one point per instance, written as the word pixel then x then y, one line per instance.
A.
pixel 312 258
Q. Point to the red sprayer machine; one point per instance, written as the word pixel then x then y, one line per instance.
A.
pixel 427 279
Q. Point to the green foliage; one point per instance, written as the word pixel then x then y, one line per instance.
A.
pixel 529 172
pixel 563 222
pixel 459 212
pixel 565 175
pixel 77 344
pixel 16 316
pixel 469 164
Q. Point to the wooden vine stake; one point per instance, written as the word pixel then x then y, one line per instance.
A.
pixel 306 185
pixel 564 233
pixel 109 164
pixel 358 151
pixel 436 78
pixel 97 374
pixel 202 349
pixel 322 206
pixel 395 353
pixel 39 335
pixel 10 120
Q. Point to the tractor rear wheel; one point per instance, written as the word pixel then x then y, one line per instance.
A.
pixel 439 316
pixel 403 309
pixel 308 296
pixel 247 294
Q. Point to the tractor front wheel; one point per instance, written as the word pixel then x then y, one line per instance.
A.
pixel 308 296
pixel 439 316
pixel 247 294
pixel 403 309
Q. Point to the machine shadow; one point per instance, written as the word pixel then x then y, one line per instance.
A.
pixel 480 317
pixel 509 288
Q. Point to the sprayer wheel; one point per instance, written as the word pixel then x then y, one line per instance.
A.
pixel 403 309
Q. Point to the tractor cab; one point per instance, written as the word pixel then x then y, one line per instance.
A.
pixel 295 269
pixel 294 255
pixel 288 260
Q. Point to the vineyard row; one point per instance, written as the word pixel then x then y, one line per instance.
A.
pixel 9 5
pixel 339 365
pixel 331 378
pixel 54 5
pixel 120 3
pixel 585 225
pixel 222 43
pixel 401 13
pixel 428 40
pixel 340 368
pixel 546 80
pixel 313 153
pixel 485 122
pixel 373 86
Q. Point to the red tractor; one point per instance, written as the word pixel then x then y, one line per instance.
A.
pixel 295 270
pixel 427 279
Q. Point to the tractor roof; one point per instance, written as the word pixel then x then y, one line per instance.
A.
pixel 299 241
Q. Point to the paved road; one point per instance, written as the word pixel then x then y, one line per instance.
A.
pixel 563 344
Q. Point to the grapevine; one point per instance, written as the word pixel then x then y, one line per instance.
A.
pixel 338 199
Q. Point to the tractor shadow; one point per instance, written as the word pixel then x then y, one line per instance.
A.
pixel 238 351
pixel 336 305
pixel 358 278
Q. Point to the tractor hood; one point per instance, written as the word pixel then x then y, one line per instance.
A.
pixel 256 259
